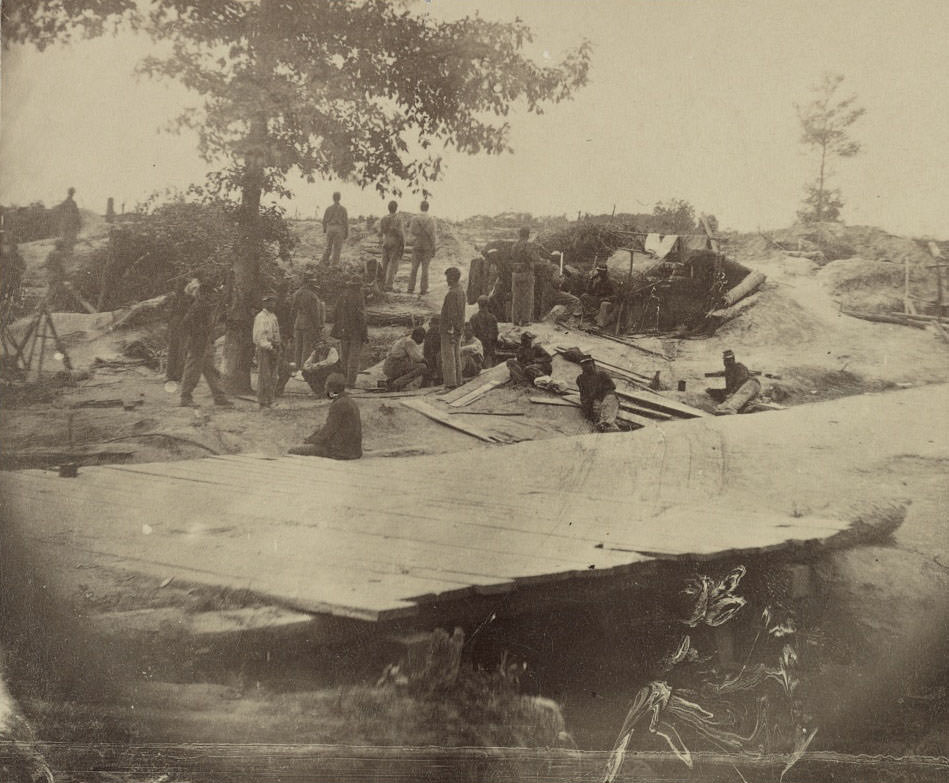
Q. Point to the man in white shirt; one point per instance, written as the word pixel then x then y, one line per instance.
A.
pixel 424 243
pixel 405 361
pixel 320 364
pixel 267 343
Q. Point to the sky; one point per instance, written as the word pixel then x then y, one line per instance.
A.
pixel 690 99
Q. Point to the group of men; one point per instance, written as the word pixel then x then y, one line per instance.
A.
pixel 392 238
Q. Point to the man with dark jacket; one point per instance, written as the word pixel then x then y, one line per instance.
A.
pixel 306 315
pixel 598 399
pixel 741 387
pixel 350 328
pixel 432 350
pixel 336 229
pixel 452 326
pixel 485 328
pixel 341 436
pixel 180 304
pixel 198 329
pixel 392 236
pixel 530 362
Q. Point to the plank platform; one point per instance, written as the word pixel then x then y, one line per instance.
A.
pixel 380 539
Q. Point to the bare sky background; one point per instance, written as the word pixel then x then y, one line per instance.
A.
pixel 688 99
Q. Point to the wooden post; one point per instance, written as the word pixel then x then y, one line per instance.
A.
pixel 937 254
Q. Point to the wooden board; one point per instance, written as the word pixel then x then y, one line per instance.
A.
pixel 499 373
pixel 653 400
pixel 378 539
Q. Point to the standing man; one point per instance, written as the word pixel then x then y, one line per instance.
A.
pixel 198 328
pixel 350 328
pixel 424 242
pixel 180 304
pixel 306 315
pixel 485 328
pixel 70 221
pixel 267 343
pixel 598 399
pixel 451 326
pixel 741 387
pixel 432 349
pixel 336 228
pixel 524 257
pixel 341 436
pixel 392 236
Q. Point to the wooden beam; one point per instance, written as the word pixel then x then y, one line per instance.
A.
pixel 664 404
pixel 443 418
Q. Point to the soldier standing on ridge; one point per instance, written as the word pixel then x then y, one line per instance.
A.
pixel 424 242
pixel 336 229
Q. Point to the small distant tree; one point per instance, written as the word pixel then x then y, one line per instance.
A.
pixel 825 124
pixel 674 217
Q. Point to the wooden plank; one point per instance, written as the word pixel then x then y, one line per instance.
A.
pixel 665 404
pixel 498 372
pixel 623 415
pixel 553 401
pixel 442 418
pixel 471 396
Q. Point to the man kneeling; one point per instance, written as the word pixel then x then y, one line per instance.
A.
pixel 341 436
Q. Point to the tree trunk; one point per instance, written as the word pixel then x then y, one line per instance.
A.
pixel 243 293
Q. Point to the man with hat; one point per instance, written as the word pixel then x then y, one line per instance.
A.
pixel 350 327
pixel 341 436
pixel 599 288
pixel 267 343
pixel 198 329
pixel 485 328
pixel 529 362
pixel 405 361
pixel 306 315
pixel 741 387
pixel 598 399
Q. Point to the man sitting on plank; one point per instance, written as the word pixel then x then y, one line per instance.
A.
pixel 598 399
pixel 741 388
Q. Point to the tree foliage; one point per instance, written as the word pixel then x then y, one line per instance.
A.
pixel 673 217
pixel 825 123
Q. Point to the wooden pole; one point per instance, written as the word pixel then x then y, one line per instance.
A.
pixel 937 254
pixel 906 284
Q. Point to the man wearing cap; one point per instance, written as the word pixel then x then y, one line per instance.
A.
pixel 530 362
pixel 336 229
pixel 340 437
pixel 198 328
pixel 405 361
pixel 350 327
pixel 424 242
pixel 451 326
pixel 485 328
pixel 267 343
pixel 598 399
pixel 392 236
pixel 741 387
pixel 306 315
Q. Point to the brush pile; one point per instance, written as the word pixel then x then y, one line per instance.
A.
pixel 589 241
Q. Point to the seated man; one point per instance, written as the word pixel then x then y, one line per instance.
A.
pixel 472 353
pixel 405 361
pixel 599 289
pixel 484 324
pixel 531 361
pixel 598 399
pixel 554 295
pixel 341 436
pixel 741 388
pixel 320 364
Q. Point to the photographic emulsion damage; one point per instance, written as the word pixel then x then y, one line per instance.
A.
pixel 474 390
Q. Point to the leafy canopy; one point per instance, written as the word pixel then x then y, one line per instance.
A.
pixel 825 120
pixel 356 89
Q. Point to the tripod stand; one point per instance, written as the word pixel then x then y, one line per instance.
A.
pixel 40 331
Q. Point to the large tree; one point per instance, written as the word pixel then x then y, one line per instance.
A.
pixel 361 90
pixel 825 128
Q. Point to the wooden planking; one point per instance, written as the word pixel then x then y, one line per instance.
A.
pixel 653 400
pixel 442 418
pixel 473 395
pixel 499 373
